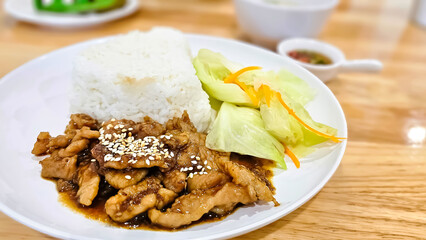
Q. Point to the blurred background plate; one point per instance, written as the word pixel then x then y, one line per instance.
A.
pixel 24 10
pixel 33 98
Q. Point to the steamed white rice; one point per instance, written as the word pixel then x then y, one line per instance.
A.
pixel 139 74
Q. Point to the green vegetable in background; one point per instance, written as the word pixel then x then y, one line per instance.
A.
pixel 78 6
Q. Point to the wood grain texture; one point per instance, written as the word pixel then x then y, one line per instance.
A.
pixel 379 190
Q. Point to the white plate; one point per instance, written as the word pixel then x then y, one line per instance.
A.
pixel 24 10
pixel 33 99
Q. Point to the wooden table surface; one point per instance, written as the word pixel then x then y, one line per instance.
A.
pixel 379 190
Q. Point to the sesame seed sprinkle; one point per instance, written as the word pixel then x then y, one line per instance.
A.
pixel 120 142
pixel 128 177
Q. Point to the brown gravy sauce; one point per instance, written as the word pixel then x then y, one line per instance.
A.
pixel 96 210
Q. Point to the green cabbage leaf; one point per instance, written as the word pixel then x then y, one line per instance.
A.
pixel 242 130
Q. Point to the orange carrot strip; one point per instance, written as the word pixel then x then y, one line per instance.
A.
pixel 232 77
pixel 242 85
pixel 292 156
pixel 253 95
pixel 292 113
pixel 267 93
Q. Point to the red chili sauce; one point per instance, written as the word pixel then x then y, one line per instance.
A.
pixel 311 57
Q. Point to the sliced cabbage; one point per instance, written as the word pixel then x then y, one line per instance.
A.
pixel 241 130
pixel 288 130
pixel 284 82
pixel 214 103
pixel 258 130
pixel 292 86
pixel 280 124
pixel 211 68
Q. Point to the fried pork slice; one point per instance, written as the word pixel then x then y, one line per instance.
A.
pixel 223 209
pixel 74 148
pixel 109 160
pixel 149 127
pixel 77 121
pixel 136 199
pixel 123 178
pixel 194 158
pixel 88 182
pixel 60 141
pixel 174 180
pixel 79 142
pixel 191 207
pixel 41 145
pixel 57 167
pixel 116 127
pixel 85 133
pixel 183 124
pixel 209 180
pixel 244 177
pixel 64 185
pixel 195 150
pixel 121 148
pixel 178 141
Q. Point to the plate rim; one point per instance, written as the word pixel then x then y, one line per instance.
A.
pixel 228 234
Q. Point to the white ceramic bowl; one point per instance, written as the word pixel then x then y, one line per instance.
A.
pixel 339 62
pixel 267 23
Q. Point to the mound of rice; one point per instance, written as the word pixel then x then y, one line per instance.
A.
pixel 139 74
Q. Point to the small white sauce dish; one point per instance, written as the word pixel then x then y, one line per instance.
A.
pixel 267 22
pixel 339 62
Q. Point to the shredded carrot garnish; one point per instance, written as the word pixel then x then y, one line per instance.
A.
pixel 253 96
pixel 266 92
pixel 243 86
pixel 232 77
pixel 292 113
pixel 292 156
